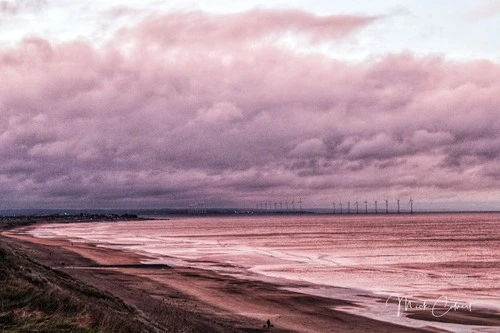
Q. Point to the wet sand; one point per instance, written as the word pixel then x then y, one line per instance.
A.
pixel 195 300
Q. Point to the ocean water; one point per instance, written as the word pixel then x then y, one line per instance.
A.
pixel 420 257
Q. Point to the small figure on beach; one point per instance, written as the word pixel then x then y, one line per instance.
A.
pixel 268 324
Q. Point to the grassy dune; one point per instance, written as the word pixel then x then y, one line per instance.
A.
pixel 36 298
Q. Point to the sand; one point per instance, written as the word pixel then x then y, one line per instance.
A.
pixel 195 300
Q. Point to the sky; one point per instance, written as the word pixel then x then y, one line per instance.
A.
pixel 137 104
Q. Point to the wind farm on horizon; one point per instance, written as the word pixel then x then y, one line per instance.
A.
pixel 274 206
pixel 285 207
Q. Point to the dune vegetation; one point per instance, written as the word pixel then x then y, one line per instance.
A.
pixel 36 298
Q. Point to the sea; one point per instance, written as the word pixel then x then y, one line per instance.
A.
pixel 451 261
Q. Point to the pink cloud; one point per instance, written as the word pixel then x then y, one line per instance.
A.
pixel 15 6
pixel 309 148
pixel 120 125
pixel 199 28
pixel 121 11
pixel 484 11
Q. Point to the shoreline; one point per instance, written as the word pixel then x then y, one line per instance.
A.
pixel 194 293
pixel 201 295
pixel 112 272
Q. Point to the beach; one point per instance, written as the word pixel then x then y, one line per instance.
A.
pixel 187 297
pixel 194 299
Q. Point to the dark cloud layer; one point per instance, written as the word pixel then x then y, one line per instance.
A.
pixel 190 106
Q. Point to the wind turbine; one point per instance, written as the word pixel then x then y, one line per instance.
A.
pixel 357 207
pixel 376 207
pixel 333 204
pixel 386 206
pixel 293 204
pixel 348 207
pixel 398 204
pixel 340 207
pixel 300 204
pixel 411 205
pixel 366 206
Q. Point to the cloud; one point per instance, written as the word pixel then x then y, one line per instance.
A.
pixel 16 6
pixel 200 28
pixel 379 146
pixel 121 11
pixel 219 113
pixel 484 11
pixel 181 118
pixel 309 148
